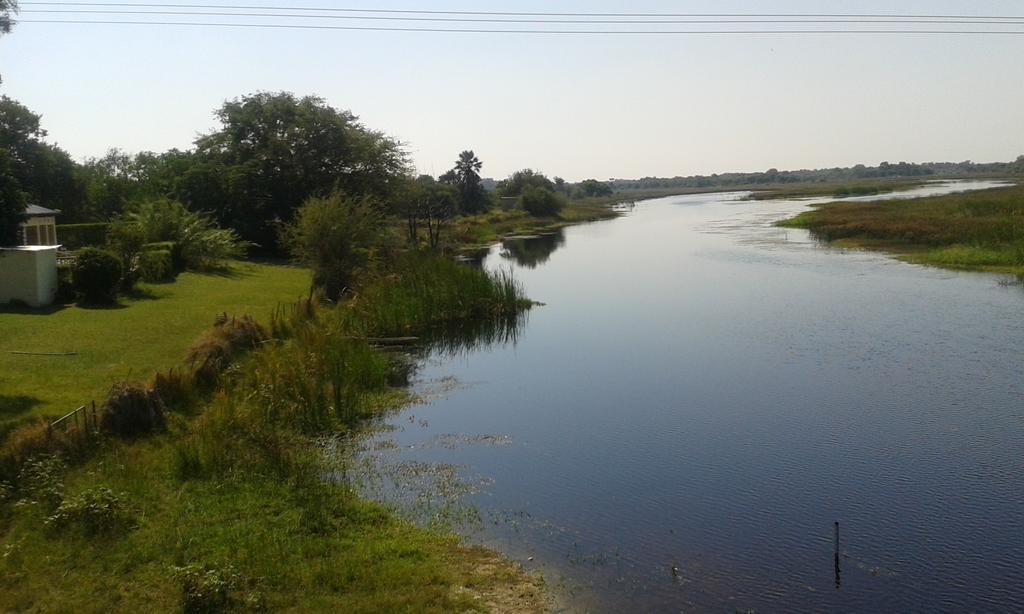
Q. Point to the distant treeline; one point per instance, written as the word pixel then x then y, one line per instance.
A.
pixel 885 170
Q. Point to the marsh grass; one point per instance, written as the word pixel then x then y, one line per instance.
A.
pixel 972 230
pixel 433 293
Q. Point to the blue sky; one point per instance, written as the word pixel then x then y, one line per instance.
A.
pixel 575 106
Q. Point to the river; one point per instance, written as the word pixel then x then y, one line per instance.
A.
pixel 703 395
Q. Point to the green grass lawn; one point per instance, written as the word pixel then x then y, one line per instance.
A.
pixel 130 341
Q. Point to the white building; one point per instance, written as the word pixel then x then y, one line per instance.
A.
pixel 28 273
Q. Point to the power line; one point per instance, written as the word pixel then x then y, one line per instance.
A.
pixel 949 21
pixel 517 13
pixel 511 31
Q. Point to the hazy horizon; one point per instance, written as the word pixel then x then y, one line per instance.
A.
pixel 578 106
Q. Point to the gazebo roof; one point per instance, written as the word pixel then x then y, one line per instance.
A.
pixel 37 211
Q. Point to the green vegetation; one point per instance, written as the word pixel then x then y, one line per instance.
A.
pixel 95 275
pixel 540 202
pixel 146 332
pixel 229 507
pixel 336 238
pixel 973 230
pixel 77 236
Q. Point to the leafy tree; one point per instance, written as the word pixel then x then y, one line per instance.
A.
pixel 560 186
pixel 593 187
pixel 541 202
pixel 526 178
pixel 12 201
pixel 44 173
pixel 466 179
pixel 425 202
pixel 274 151
pixel 336 237
pixel 8 8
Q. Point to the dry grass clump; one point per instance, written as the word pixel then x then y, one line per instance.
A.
pixel 131 410
pixel 219 346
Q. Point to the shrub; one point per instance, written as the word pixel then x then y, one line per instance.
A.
pixel 336 237
pixel 96 274
pixel 156 266
pixel 125 241
pixel 96 510
pixel 200 243
pixel 76 236
pixel 131 410
pixel 41 480
pixel 205 588
pixel 65 289
pixel 540 202
pixel 176 257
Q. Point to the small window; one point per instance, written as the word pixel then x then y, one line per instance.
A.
pixel 51 236
pixel 31 235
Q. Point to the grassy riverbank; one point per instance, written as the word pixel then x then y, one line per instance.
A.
pixel 969 231
pixel 141 334
pixel 229 505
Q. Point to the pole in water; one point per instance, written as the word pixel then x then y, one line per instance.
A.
pixel 836 554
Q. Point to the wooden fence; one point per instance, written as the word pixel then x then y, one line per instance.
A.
pixel 82 421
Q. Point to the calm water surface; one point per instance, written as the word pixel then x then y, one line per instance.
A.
pixel 704 391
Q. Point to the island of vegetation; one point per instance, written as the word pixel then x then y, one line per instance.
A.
pixel 978 230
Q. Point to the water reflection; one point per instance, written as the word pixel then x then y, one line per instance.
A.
pixel 532 251
pixel 457 338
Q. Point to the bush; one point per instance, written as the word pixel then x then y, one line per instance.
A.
pixel 335 236
pixel 205 588
pixel 41 481
pixel 125 241
pixel 96 275
pixel 177 259
pixel 76 236
pixel 200 244
pixel 65 289
pixel 156 266
pixel 540 202
pixel 131 410
pixel 96 510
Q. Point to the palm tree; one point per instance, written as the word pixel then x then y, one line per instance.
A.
pixel 467 174
pixel 467 167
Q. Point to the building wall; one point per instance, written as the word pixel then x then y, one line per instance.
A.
pixel 28 275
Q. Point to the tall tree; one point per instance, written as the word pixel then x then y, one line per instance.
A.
pixel 8 8
pixel 12 201
pixel 521 180
pixel 274 151
pixel 466 178
pixel 44 173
